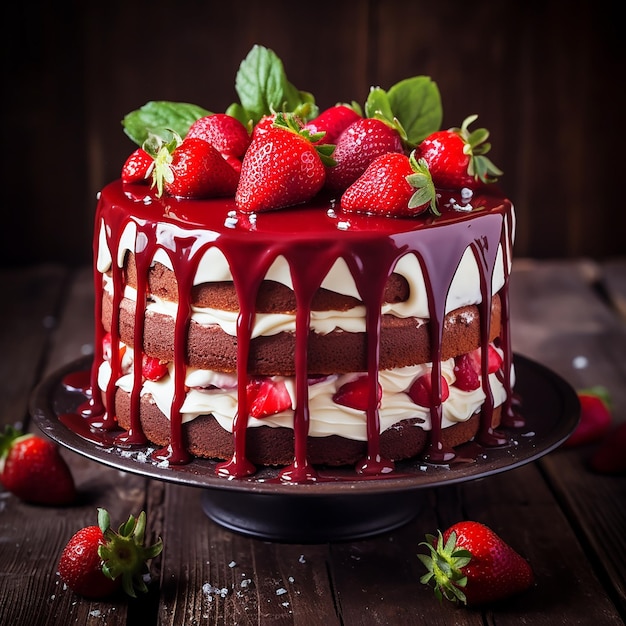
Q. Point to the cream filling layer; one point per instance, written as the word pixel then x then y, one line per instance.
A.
pixel 265 324
pixel 213 267
pixel 326 417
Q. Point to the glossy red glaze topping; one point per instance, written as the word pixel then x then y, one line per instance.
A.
pixel 311 238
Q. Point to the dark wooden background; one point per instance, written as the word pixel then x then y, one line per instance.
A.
pixel 547 79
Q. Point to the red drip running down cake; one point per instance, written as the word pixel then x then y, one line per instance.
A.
pixel 279 298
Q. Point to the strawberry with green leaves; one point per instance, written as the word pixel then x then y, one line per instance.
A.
pixel 191 168
pixel 457 157
pixel 281 167
pixel 470 564
pixel 357 146
pixel 394 185
pixel 97 561
pixel 33 469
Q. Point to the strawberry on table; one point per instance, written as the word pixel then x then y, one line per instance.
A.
pixel 610 455
pixel 33 469
pixel 394 185
pixel 595 417
pixel 281 167
pixel 456 157
pixel 97 561
pixel 357 146
pixel 471 564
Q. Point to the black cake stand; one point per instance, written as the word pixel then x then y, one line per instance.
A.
pixel 340 505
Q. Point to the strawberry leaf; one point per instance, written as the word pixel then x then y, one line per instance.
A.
pixel 263 88
pixel 414 104
pixel 159 118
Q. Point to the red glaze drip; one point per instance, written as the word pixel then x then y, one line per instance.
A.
pixel 311 241
pixel 77 381
pixel 135 435
pixel 510 417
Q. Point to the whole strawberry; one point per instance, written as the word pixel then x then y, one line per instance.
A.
pixel 137 167
pixel 194 169
pixel 394 185
pixel 97 561
pixel 225 133
pixel 595 417
pixel 33 469
pixel 472 565
pixel 357 146
pixel 281 167
pixel 456 157
pixel 332 122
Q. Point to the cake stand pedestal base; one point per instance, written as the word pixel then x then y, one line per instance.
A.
pixel 310 519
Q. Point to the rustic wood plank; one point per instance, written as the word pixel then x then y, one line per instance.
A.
pixel 33 536
pixel 521 508
pixel 613 282
pixel 559 319
pixel 211 573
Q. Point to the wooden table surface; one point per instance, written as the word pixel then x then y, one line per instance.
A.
pixel 568 522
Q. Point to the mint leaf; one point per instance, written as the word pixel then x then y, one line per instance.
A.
pixel 262 86
pixel 414 102
pixel 160 117
pixel 378 105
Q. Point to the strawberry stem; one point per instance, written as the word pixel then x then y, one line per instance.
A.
pixel 289 121
pixel 124 554
pixel 161 167
pixel 423 183
pixel 476 147
pixel 444 565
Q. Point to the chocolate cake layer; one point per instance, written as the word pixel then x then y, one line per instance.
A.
pixel 265 445
pixel 403 343
pixel 273 297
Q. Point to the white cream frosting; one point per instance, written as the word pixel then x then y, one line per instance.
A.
pixel 326 417
pixel 213 267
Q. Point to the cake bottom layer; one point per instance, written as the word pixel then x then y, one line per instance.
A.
pixel 204 437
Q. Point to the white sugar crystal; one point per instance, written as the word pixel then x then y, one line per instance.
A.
pixel 209 590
